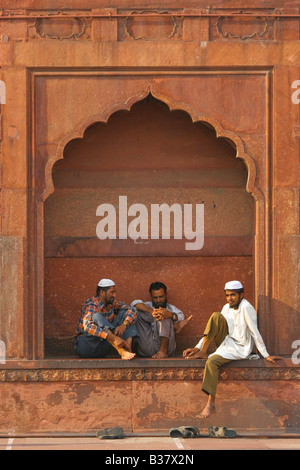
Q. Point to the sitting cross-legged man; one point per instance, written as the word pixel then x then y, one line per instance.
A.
pixel 106 324
pixel 158 322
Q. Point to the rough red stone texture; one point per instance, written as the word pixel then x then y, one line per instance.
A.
pixel 191 105
pixel 201 301
pixel 147 398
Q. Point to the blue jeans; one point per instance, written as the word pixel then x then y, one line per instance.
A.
pixel 90 346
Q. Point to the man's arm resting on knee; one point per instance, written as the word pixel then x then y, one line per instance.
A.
pixel 158 313
pixel 116 341
pixel 90 327
pixel 143 307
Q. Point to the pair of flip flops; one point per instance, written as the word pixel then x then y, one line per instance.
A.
pixel 221 431
pixel 111 433
pixel 185 431
pixel 193 431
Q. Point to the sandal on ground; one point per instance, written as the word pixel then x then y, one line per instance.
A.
pixel 221 431
pixel 110 433
pixel 185 431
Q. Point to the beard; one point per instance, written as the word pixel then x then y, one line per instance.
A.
pixel 238 302
pixel 160 304
pixel 109 299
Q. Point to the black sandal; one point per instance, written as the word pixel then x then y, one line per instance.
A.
pixel 110 433
pixel 222 431
pixel 185 431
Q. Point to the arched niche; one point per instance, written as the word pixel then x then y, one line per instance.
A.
pixel 152 151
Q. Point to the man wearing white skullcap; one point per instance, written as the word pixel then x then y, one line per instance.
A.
pixel 106 283
pixel 233 285
pixel 104 324
pixel 234 332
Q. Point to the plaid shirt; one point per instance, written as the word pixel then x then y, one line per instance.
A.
pixel 109 311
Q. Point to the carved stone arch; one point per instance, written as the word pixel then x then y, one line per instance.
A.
pixel 259 255
pixel 206 119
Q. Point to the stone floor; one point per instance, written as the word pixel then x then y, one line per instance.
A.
pixel 143 446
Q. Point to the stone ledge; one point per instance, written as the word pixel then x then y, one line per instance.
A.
pixel 74 370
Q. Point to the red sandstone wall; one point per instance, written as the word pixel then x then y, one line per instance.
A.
pixel 62 76
pixel 152 156
pixel 191 287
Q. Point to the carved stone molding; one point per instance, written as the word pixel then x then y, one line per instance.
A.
pixel 230 27
pixel 145 374
pixel 195 116
pixel 150 29
pixel 76 127
pixel 60 27
pixel 147 24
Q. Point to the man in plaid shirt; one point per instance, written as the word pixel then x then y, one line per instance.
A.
pixel 104 324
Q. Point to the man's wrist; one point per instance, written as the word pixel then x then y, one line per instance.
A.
pixel 110 337
pixel 126 323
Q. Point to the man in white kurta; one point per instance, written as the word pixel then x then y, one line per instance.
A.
pixel 242 333
pixel 235 332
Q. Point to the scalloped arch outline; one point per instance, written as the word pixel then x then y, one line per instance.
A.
pixel 173 106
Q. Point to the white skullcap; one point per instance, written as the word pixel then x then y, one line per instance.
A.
pixel 233 285
pixel 106 283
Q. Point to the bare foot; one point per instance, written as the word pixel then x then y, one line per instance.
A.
pixel 126 355
pixel 160 355
pixel 207 411
pixel 181 324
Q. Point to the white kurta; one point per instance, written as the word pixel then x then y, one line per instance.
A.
pixel 243 333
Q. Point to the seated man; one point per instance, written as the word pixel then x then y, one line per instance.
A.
pixel 234 332
pixel 104 324
pixel 157 322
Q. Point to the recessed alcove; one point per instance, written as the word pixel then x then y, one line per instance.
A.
pixel 151 155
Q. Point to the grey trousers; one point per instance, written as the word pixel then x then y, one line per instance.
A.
pixel 150 332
